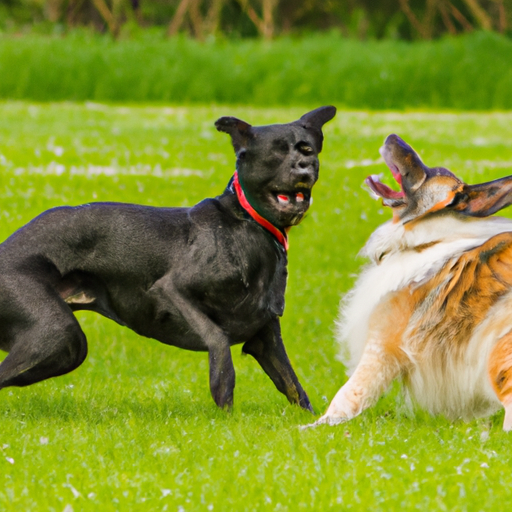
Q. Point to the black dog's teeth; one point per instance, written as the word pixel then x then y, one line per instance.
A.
pixel 293 197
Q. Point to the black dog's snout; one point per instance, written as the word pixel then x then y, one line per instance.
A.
pixel 305 172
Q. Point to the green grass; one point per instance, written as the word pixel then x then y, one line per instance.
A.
pixel 470 72
pixel 135 428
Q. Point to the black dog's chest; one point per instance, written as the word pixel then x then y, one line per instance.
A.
pixel 243 276
pixel 248 298
pixel 229 269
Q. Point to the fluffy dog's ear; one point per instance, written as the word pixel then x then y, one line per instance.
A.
pixel 484 199
pixel 316 119
pixel 239 130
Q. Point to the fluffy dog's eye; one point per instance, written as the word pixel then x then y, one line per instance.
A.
pixel 241 154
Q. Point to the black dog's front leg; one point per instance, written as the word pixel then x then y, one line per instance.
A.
pixel 222 371
pixel 268 349
pixel 222 375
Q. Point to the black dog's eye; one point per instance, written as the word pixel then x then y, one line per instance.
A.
pixel 241 154
pixel 305 149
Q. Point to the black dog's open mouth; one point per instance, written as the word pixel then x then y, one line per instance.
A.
pixel 298 198
pixel 389 196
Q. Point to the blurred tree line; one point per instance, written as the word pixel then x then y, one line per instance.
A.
pixel 397 19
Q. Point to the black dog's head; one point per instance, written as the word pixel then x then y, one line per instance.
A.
pixel 278 164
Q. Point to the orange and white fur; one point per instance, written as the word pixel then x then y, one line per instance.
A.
pixel 434 305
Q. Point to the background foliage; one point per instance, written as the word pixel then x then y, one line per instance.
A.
pixel 470 72
pixel 404 19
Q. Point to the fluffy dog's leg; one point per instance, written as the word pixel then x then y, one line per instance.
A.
pixel 52 345
pixel 500 374
pixel 371 378
pixel 382 361
pixel 268 349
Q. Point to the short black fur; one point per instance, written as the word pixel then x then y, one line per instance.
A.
pixel 201 278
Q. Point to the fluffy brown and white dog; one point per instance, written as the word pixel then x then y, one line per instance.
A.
pixel 434 306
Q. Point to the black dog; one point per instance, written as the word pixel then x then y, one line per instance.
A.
pixel 201 278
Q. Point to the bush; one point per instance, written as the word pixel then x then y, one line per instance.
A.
pixel 468 72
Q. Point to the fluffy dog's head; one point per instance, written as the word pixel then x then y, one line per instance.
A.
pixel 425 190
pixel 278 164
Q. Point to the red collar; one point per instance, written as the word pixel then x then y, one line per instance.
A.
pixel 281 237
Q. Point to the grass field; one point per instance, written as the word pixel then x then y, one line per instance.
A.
pixel 135 428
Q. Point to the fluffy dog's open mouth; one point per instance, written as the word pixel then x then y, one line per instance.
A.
pixel 389 196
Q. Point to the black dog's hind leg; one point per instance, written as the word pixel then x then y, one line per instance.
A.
pixel 268 349
pixel 47 342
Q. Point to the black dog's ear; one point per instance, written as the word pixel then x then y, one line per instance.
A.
pixel 239 130
pixel 316 119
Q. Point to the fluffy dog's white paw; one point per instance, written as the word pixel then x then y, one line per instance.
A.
pixel 325 420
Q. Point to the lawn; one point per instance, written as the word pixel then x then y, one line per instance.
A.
pixel 135 428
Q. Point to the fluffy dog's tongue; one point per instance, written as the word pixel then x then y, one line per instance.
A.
pixel 381 190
